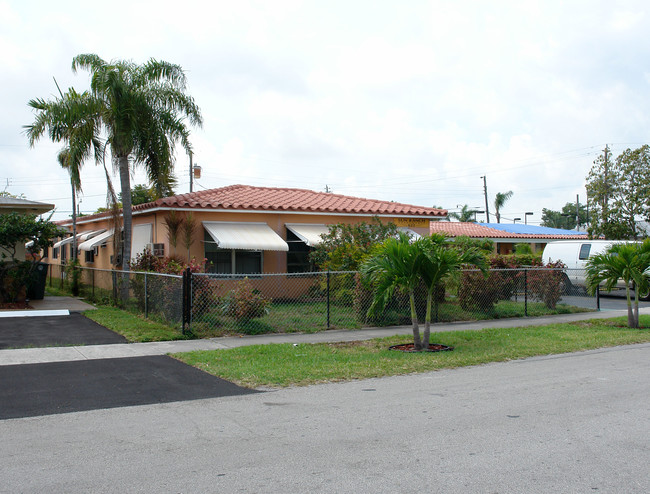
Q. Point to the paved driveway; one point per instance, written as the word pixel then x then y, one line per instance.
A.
pixel 44 331
pixel 60 387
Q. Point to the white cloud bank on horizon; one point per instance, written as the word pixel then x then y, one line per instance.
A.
pixel 405 101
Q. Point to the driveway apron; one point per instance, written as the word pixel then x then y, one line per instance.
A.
pixel 61 387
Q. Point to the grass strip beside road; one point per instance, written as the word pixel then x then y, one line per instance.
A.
pixel 134 328
pixel 281 365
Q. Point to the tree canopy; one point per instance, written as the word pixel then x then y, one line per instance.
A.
pixel 499 200
pixel 618 194
pixel 565 218
pixel 144 111
pixel 345 246
pixel 465 215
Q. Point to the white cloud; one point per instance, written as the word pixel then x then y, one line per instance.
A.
pixel 410 102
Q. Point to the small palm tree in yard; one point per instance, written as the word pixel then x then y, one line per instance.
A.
pixel 627 262
pixel 394 265
pixel 440 261
pixel 400 263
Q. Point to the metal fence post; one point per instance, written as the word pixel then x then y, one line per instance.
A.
pixel 187 300
pixel 114 280
pixel 597 297
pixel 328 299
pixel 146 298
pixel 93 282
pixel 525 292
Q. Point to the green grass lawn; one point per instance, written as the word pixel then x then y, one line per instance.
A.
pixel 287 365
pixel 133 327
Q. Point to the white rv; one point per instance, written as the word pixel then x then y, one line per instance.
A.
pixel 574 254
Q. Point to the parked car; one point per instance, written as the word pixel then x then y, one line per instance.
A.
pixel 574 255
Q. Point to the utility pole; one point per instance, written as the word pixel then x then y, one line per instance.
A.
pixel 605 211
pixel 578 212
pixel 191 172
pixel 487 208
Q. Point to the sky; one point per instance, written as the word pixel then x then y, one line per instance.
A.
pixel 411 102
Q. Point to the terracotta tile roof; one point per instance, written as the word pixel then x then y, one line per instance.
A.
pixel 246 197
pixel 476 230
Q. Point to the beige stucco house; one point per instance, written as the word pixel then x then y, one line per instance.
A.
pixel 240 229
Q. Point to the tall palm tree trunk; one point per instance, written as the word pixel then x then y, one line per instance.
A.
pixel 73 257
pixel 427 323
pixel 125 183
pixel 630 312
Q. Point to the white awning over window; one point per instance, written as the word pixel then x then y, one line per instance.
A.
pixel 245 236
pixel 88 235
pixel 310 234
pixel 81 237
pixel 65 241
pixel 89 245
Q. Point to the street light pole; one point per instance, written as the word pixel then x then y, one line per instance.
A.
pixel 526 215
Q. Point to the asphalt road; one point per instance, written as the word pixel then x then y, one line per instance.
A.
pixel 608 301
pixel 567 423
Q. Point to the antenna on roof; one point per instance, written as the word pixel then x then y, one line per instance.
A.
pixel 327 189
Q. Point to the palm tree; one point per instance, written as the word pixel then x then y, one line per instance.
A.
pixel 144 110
pixel 74 120
pixel 500 199
pixel 439 261
pixel 628 262
pixel 466 215
pixel 394 265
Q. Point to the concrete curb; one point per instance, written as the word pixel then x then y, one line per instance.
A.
pixel 34 313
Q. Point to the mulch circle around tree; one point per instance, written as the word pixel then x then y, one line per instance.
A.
pixel 410 348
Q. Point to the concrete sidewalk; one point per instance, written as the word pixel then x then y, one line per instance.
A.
pixel 92 352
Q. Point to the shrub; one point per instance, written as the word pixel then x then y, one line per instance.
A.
pixel 546 285
pixel 73 274
pixel 479 292
pixel 244 303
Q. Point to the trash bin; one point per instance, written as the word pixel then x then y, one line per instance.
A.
pixel 36 289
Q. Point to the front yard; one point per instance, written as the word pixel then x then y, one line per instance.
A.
pixel 288 365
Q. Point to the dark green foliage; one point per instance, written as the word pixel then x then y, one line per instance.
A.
pixel 141 194
pixel 15 229
pixel 345 246
pixel 484 245
pixel 566 218
pixel 619 194
pixel 73 274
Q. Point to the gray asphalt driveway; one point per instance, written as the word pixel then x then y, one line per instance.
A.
pixel 45 331
pixel 63 387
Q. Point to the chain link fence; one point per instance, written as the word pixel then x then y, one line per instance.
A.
pixel 155 295
pixel 217 304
